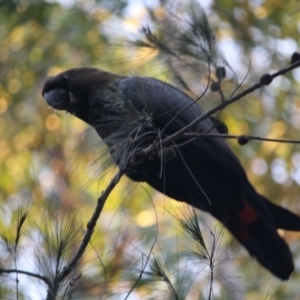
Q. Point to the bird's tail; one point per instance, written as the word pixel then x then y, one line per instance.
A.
pixel 283 218
pixel 257 231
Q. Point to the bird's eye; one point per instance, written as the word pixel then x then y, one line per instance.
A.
pixel 65 79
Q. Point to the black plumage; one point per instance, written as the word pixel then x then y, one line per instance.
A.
pixel 132 113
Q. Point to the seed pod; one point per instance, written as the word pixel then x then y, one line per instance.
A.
pixel 295 57
pixel 215 86
pixel 220 73
pixel 167 154
pixel 243 140
pixel 266 79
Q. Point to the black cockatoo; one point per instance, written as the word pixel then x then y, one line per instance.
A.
pixel 132 113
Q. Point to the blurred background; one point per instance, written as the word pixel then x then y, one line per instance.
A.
pixel 54 167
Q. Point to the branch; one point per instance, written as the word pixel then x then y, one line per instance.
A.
pixel 169 139
pixel 243 136
pixel 141 273
pixel 43 278
pixel 90 226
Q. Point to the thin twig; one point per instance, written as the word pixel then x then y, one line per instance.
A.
pixel 169 139
pixel 234 136
pixel 193 103
pixel 141 272
pixel 90 226
pixel 43 278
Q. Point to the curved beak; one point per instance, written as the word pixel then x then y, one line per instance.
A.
pixel 57 98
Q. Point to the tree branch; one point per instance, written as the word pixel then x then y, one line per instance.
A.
pixel 234 136
pixel 90 226
pixel 43 278
pixel 169 139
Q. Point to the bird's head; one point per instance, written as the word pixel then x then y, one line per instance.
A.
pixel 78 90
